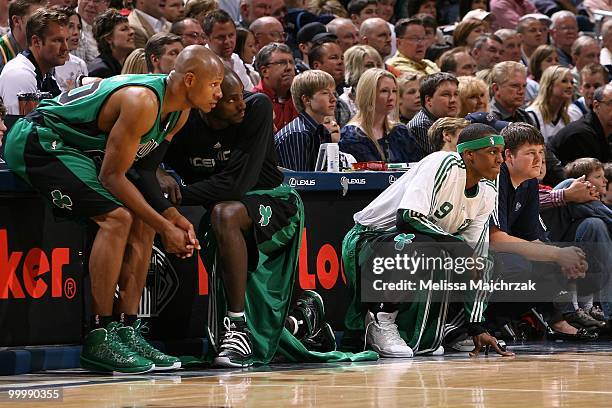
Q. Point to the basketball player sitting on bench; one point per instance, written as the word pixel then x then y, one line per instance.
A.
pixel 446 198
pixel 228 162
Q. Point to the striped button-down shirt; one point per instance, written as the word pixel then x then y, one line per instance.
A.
pixel 297 144
pixel 418 126
pixel 88 47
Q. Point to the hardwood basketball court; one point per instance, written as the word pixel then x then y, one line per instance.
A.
pixel 541 375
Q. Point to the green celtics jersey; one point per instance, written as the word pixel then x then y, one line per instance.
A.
pixel 73 115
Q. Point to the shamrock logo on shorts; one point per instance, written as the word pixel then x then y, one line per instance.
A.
pixel 61 200
pixel 266 213
pixel 402 239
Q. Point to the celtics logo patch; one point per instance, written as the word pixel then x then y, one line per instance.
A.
pixel 266 213
pixel 60 200
pixel 402 239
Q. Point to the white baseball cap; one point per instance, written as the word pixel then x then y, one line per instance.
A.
pixel 478 14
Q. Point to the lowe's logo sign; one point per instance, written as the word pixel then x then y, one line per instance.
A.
pixel 293 182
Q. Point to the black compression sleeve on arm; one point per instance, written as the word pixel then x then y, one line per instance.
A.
pixel 142 175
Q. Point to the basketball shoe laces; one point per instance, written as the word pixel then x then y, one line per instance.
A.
pixel 388 330
pixel 234 339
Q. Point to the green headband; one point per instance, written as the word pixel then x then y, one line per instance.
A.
pixel 481 143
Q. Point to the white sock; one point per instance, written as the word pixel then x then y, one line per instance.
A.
pixel 235 314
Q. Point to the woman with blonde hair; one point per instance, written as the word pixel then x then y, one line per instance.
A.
pixel 444 133
pixel 549 109
pixel 373 134
pixel 473 95
pixel 357 59
pixel 135 63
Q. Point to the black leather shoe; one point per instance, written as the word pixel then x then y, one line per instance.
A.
pixel 581 335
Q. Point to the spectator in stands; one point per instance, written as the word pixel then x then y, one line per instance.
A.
pixel 410 55
pixel 439 99
pixel 327 7
pixel 587 223
pixel 173 10
pixel 267 30
pixel 69 75
pixel 549 109
pixel 361 10
pixel 246 50
pixel 444 132
pixel 115 40
pixel 465 6
pixel 508 82
pixel 386 9
pixel 372 135
pixel 297 144
pixel 161 52
pixel 588 137
pixel 484 16
pixel 31 70
pixel 515 220
pixel 414 7
pixel 473 95
pixel 585 51
pixel 434 45
pixel 508 12
pixel 543 57
pixel 457 61
pixel 15 41
pixel 564 32
pixel 605 58
pixel 190 31
pixel 487 51
pixel 197 9
pixel 251 10
pixel 511 42
pixel 146 19
pixel 135 63
pixel 276 68
pixel 357 60
pixel 304 39
pixel 409 96
pixel 467 32
pixel 278 10
pixel 345 30
pixel 591 77
pixel 220 32
pixel 328 57
pixel 89 10
pixel 375 32
pixel 533 33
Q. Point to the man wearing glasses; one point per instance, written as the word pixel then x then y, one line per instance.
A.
pixel 588 136
pixel 276 67
pixel 564 32
pixel 190 31
pixel 267 30
pixel 411 47
pixel 220 33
